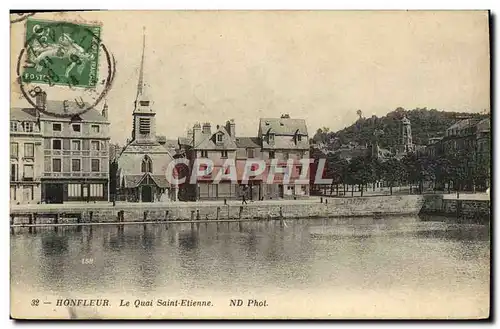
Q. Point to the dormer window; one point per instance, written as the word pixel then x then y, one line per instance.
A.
pixel 219 138
pixel 271 137
pixel 28 127
pixel 144 103
pixel 299 138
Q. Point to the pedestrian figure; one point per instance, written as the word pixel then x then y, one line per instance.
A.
pixel 244 199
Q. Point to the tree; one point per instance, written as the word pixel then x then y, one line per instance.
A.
pixel 392 172
pixel 335 170
pixel 359 172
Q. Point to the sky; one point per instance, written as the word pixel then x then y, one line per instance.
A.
pixel 321 66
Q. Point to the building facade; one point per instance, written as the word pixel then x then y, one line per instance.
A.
pixel 466 142
pixel 278 140
pixel 26 157
pixel 75 154
pixel 142 163
pixel 218 146
pixel 284 139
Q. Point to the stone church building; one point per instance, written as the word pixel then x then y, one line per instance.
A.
pixel 142 163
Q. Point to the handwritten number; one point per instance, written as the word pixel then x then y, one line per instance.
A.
pixel 35 302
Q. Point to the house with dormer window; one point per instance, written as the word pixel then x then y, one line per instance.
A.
pixel 218 145
pixel 282 139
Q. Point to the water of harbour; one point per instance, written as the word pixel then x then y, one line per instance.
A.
pixel 365 267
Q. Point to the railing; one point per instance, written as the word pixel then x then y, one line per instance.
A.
pixel 76 174
pixel 76 153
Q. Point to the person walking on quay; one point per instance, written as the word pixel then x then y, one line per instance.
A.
pixel 244 201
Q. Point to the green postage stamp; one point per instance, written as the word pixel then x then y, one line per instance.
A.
pixel 61 53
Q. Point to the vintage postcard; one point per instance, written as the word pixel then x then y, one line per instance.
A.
pixel 250 165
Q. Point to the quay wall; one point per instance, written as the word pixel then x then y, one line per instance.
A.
pixel 334 207
pixel 467 209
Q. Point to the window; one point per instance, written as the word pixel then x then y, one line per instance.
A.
pixel 95 129
pixel 75 165
pixel 29 150
pixel 28 171
pixel 271 137
pixel 144 126
pixel 204 154
pixel 56 144
pixel 219 138
pixel 299 138
pixel 96 190
pixel 13 150
pixel 271 154
pixel 56 127
pixel 76 127
pixel 56 165
pixel 224 154
pixel 13 126
pixel 147 164
pixel 13 172
pixel 76 145
pixel 74 190
pixel 95 145
pixel 95 165
pixel 144 103
pixel 250 153
pixel 28 127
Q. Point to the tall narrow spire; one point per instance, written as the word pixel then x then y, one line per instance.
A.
pixel 140 84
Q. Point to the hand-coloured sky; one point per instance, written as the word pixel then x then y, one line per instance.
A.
pixel 321 66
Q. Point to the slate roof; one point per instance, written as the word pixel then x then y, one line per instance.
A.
pixel 57 107
pixel 154 147
pixel 21 114
pixel 484 125
pixel 132 181
pixel 248 142
pixel 461 124
pixel 185 141
pixel 208 142
pixel 171 144
pixel 283 126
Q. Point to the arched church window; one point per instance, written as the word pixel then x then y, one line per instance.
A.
pixel 147 164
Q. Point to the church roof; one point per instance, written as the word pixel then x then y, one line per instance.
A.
pixel 133 181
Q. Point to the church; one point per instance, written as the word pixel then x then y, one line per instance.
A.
pixel 142 163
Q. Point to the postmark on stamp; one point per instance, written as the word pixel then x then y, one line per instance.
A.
pixel 61 53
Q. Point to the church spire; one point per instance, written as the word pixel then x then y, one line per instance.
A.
pixel 142 99
pixel 140 83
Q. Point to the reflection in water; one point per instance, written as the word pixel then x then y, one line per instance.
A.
pixel 348 254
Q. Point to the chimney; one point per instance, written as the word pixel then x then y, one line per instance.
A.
pixel 207 129
pixel 65 106
pixel 41 99
pixel 105 110
pixel 231 129
pixel 196 133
